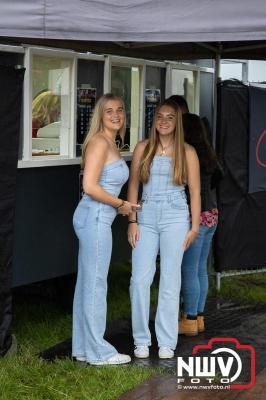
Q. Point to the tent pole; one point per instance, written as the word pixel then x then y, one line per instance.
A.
pixel 218 281
pixel 217 70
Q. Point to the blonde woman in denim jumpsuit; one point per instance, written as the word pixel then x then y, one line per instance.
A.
pixel 163 164
pixel 105 172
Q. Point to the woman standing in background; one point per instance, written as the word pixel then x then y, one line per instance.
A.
pixel 194 264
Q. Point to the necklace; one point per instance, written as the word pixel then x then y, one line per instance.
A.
pixel 164 148
pixel 163 152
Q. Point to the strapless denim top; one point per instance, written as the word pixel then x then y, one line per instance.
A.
pixel 160 182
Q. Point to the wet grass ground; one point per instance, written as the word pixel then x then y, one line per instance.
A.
pixel 243 288
pixel 41 322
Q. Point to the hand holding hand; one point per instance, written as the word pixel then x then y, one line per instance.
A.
pixel 126 208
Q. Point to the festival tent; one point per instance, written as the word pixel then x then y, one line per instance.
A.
pixel 169 29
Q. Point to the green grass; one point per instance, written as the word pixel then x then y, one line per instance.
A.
pixel 27 377
pixel 243 288
pixel 39 324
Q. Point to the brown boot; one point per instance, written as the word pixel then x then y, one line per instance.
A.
pixel 188 327
pixel 201 325
pixel 181 315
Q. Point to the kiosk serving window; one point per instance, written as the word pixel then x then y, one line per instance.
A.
pixel 184 83
pixel 61 88
pixel 50 109
pixel 125 82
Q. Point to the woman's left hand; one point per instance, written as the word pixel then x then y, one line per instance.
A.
pixel 191 235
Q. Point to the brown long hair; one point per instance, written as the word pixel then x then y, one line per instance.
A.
pixel 96 124
pixel 196 136
pixel 179 156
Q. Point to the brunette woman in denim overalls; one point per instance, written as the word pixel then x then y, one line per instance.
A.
pixel 105 172
pixel 163 163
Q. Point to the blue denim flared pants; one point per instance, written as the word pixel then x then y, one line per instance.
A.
pixel 92 222
pixel 163 224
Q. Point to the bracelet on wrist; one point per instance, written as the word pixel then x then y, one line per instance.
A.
pixel 132 222
pixel 196 232
pixel 120 205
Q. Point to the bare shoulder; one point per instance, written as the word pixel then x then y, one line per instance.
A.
pixel 140 147
pixel 97 150
pixel 189 149
pixel 99 140
pixel 98 143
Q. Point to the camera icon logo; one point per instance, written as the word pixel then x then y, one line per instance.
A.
pixel 222 363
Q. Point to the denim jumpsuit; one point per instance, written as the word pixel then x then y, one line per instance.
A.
pixel 163 224
pixel 92 222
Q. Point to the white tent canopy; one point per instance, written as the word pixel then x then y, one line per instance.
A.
pixel 135 20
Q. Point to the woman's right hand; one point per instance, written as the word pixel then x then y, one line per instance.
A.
pixel 127 208
pixel 133 234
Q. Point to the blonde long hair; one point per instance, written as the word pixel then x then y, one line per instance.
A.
pixel 179 156
pixel 45 107
pixel 96 124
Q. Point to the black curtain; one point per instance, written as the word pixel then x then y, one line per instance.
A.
pixel 11 82
pixel 257 140
pixel 241 232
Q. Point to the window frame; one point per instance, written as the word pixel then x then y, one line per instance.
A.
pixel 29 161
pixel 118 61
pixel 11 49
pixel 186 67
pixel 30 52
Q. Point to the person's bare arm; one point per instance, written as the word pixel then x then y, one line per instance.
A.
pixel 133 190
pixel 96 154
pixel 193 180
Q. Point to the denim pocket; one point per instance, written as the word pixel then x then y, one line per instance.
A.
pixel 80 216
pixel 179 204
pixel 107 214
pixel 140 217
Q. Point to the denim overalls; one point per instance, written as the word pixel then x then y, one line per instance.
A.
pixel 92 223
pixel 163 224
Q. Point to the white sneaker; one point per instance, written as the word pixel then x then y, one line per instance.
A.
pixel 166 352
pixel 141 352
pixel 114 360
